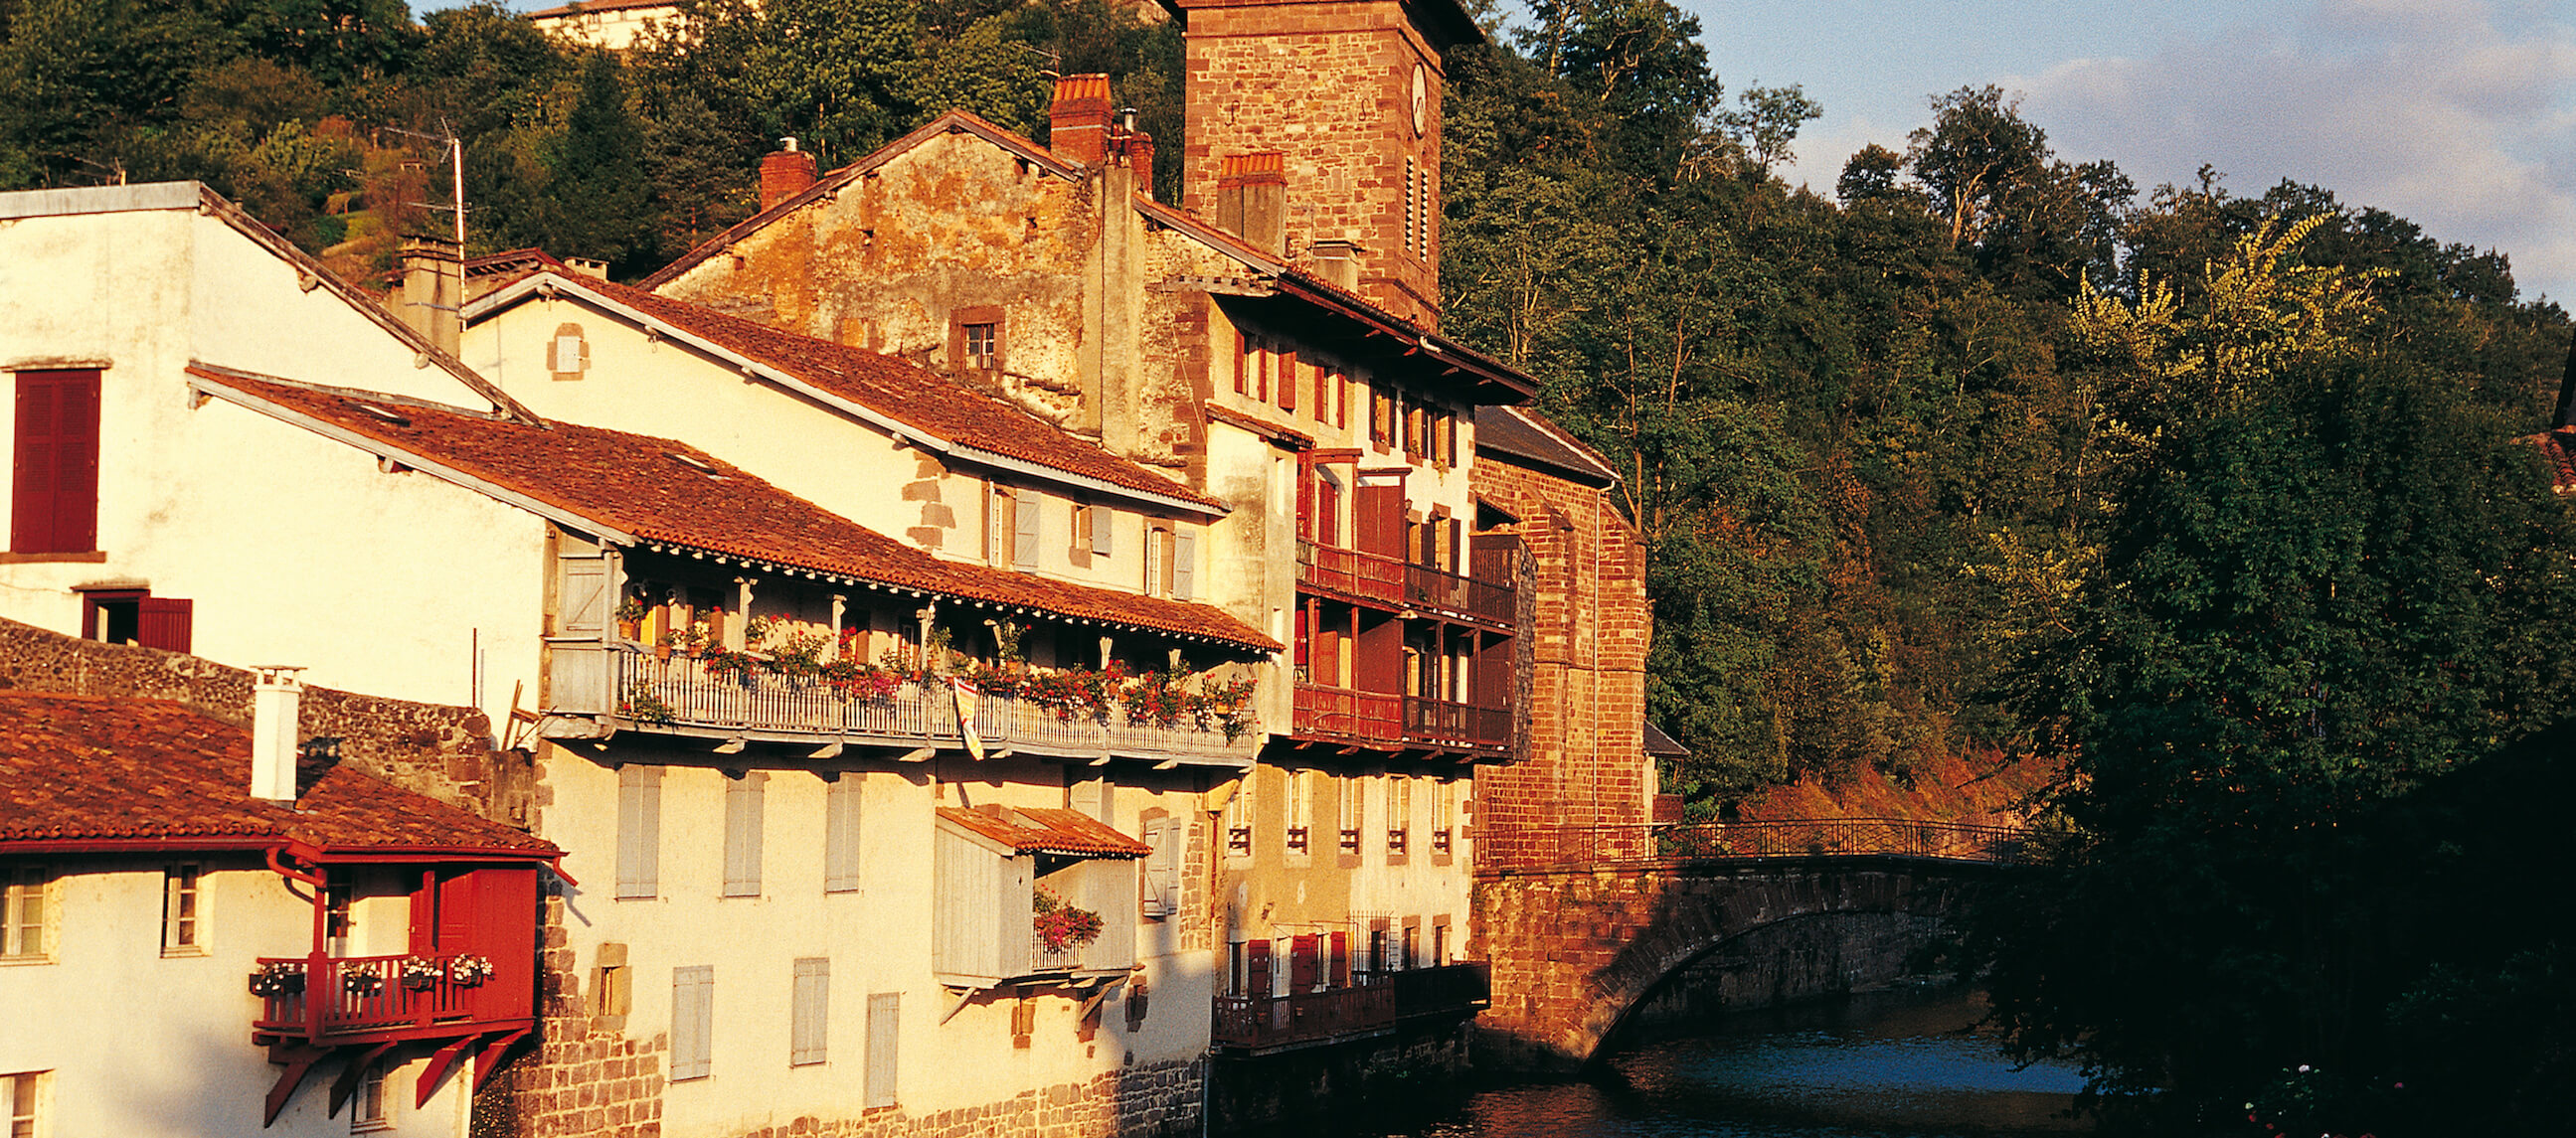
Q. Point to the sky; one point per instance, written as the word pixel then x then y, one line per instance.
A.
pixel 2458 115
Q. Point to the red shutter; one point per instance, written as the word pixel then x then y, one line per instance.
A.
pixel 458 915
pixel 1381 519
pixel 1290 371
pixel 164 622
pixel 1305 963
pixel 1257 968
pixel 54 501
pixel 1341 960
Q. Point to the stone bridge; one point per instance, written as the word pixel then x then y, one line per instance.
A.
pixel 1591 928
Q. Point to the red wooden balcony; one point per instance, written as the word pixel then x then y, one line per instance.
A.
pixel 1394 583
pixel 1452 595
pixel 1375 1004
pixel 1350 573
pixel 1376 717
pixel 1446 723
pixel 354 999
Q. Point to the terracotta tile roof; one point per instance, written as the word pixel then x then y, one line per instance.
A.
pixel 2557 452
pixel 1046 831
pixel 584 6
pixel 77 768
pixel 899 390
pixel 662 490
pixel 1518 433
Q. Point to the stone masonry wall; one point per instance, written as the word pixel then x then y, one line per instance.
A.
pixel 1581 759
pixel 428 748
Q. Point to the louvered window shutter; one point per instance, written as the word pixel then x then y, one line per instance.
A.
pixel 693 1013
pixel 841 836
pixel 54 499
pixel 810 1012
pixel 1185 559
pixel 164 622
pixel 883 1018
pixel 1024 542
pixel 639 830
pixel 742 835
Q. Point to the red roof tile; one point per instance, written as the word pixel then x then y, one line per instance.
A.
pixel 77 768
pixel 2557 452
pixel 663 490
pixel 899 390
pixel 1046 831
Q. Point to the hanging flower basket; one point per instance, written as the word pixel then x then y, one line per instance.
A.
pixel 1060 926
pixel 420 974
pixel 361 982
pixel 469 971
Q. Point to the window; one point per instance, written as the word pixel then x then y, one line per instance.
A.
pixel 181 916
pixel 693 1014
pixel 809 1015
pixel 23 911
pixel 54 483
pixel 1444 815
pixel 135 616
pixel 1301 809
pixel 1238 819
pixel 639 830
pixel 743 807
pixel 1399 813
pixel 1163 867
pixel 1382 418
pixel 367 1107
pixel 1011 527
pixel 1338 380
pixel 339 903
pixel 841 834
pixel 613 984
pixel 568 354
pixel 1158 561
pixel 975 339
pixel 1351 810
pixel 21 1103
pixel 883 1016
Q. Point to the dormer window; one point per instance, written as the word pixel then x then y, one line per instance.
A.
pixel 568 354
pixel 975 338
pixel 982 346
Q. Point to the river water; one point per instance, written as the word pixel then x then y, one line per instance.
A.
pixel 1876 1065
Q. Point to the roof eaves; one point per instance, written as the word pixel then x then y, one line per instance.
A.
pixel 210 379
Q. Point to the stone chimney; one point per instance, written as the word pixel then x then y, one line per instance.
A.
pixel 1252 199
pixel 1338 263
pixel 1139 147
pixel 784 173
pixel 1078 122
pixel 276 711
pixel 433 289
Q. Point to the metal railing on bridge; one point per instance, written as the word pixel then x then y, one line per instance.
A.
pixel 1685 843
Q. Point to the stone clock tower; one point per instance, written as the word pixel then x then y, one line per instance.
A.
pixel 1346 94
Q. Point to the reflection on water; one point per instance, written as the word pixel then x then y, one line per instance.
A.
pixel 1875 1066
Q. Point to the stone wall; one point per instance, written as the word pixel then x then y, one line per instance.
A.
pixel 433 749
pixel 1352 1082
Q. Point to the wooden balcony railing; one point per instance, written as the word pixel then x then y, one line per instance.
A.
pixel 1457 724
pixel 649 692
pixel 1347 714
pixel 332 999
pixel 1396 583
pixel 1454 595
pixel 1378 1001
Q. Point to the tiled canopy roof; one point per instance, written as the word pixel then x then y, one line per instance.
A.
pixel 80 769
pixel 1046 831
pixel 898 390
pixel 660 490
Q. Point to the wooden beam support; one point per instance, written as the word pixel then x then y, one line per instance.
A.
pixel 439 1065
pixel 298 1059
pixel 347 1083
pixel 489 1059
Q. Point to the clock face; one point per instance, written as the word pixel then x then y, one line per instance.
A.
pixel 1421 98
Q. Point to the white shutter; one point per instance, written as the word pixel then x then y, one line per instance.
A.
pixel 1102 517
pixel 742 835
pixel 693 1013
pixel 1162 870
pixel 809 1021
pixel 639 830
pixel 1185 558
pixel 883 1015
pixel 841 835
pixel 1024 538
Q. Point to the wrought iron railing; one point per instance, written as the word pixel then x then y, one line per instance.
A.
pixel 317 997
pixel 652 690
pixel 1661 845
pixel 1373 1001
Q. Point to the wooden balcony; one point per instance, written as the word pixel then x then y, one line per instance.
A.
pixel 1350 573
pixel 1397 722
pixel 637 690
pixel 1395 584
pixel 333 1000
pixel 1372 1006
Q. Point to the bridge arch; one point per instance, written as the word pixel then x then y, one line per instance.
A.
pixel 1575 953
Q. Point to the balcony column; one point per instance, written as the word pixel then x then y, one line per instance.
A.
pixel 742 610
pixel 840 604
pixel 928 615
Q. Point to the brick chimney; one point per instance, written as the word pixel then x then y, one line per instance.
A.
pixel 276 713
pixel 1078 122
pixel 1252 199
pixel 433 289
pixel 784 173
pixel 1139 147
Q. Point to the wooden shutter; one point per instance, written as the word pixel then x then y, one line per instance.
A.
pixel 1256 968
pixel 883 1017
pixel 1290 371
pixel 1162 867
pixel 841 835
pixel 693 1014
pixel 809 1020
pixel 742 835
pixel 1341 960
pixel 54 499
pixel 1185 560
pixel 1101 519
pixel 582 599
pixel 1381 518
pixel 164 622
pixel 639 830
pixel 999 505
pixel 1024 532
pixel 1305 963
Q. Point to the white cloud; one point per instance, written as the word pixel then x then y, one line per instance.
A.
pixel 2457 115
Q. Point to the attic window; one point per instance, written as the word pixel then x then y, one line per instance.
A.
pixel 387 414
pixel 700 465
